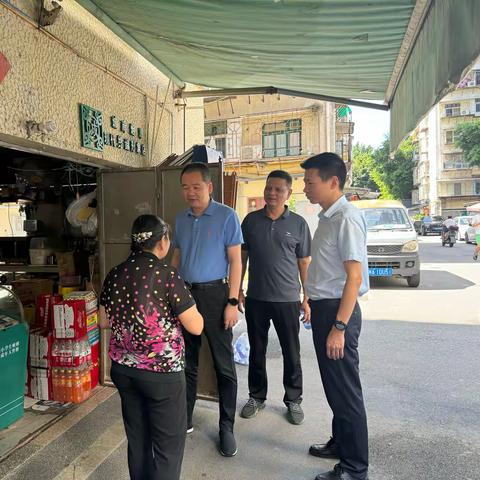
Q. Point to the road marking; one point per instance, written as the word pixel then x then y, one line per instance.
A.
pixel 88 461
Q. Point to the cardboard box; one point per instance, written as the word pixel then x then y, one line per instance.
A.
pixel 89 298
pixel 93 335
pixel 40 383
pixel 70 319
pixel 44 310
pixel 66 263
pixel 40 349
pixel 92 320
pixel 29 289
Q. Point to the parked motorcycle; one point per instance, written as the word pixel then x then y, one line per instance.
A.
pixel 449 236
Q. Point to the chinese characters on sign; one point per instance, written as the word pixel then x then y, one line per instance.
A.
pixel 9 349
pixel 94 136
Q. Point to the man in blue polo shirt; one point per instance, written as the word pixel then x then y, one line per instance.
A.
pixel 207 245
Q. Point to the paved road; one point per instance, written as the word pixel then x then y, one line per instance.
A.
pixel 421 376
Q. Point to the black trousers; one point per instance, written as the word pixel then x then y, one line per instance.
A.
pixel 211 302
pixel 285 318
pixel 341 382
pixel 153 409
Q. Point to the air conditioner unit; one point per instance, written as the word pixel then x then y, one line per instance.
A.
pixel 465 112
pixel 471 83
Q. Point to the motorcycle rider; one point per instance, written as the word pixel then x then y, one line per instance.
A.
pixel 447 224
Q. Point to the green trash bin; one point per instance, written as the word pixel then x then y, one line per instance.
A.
pixel 13 366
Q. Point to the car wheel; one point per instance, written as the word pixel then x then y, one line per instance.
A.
pixel 466 238
pixel 414 280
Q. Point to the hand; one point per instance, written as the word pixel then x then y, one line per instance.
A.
pixel 335 344
pixel 306 308
pixel 230 316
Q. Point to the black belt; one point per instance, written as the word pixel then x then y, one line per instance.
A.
pixel 205 285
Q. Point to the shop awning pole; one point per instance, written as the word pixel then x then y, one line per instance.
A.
pixel 224 92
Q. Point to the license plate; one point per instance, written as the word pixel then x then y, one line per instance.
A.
pixel 380 272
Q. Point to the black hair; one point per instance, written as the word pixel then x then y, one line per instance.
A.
pixel 198 167
pixel 147 231
pixel 281 174
pixel 328 165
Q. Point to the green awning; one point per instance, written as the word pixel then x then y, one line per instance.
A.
pixel 358 49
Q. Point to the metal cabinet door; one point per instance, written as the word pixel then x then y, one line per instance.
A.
pixel 125 194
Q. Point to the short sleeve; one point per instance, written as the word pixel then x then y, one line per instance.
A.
pixel 233 231
pixel 304 245
pixel 352 241
pixel 178 295
pixel 105 293
pixel 245 226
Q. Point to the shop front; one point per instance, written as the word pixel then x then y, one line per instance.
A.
pixel 84 120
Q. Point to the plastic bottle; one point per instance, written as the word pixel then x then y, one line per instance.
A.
pixel 241 349
pixel 307 325
pixel 61 385
pixel 68 386
pixel 77 388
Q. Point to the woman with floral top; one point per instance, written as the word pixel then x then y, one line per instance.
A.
pixel 146 303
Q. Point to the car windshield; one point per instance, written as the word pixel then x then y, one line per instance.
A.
pixel 437 219
pixel 386 218
pixel 464 220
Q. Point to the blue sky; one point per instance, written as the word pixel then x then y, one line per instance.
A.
pixel 371 126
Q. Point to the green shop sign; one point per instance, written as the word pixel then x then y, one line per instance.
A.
pixel 122 135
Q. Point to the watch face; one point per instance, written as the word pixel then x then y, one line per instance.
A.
pixel 233 301
pixel 340 325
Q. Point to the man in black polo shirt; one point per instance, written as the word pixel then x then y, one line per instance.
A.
pixel 277 247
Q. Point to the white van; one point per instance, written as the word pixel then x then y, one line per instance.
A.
pixel 391 240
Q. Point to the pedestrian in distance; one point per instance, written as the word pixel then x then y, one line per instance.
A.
pixel 207 245
pixel 146 303
pixel 476 224
pixel 337 276
pixel 277 249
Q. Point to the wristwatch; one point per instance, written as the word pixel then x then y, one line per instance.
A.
pixel 339 325
pixel 233 301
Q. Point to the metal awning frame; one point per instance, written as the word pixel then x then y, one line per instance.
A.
pixel 225 92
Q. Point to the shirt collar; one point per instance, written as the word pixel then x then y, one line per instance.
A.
pixel 144 253
pixel 285 214
pixel 213 205
pixel 341 202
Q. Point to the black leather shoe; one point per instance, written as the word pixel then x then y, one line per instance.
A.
pixel 337 474
pixel 325 450
pixel 228 445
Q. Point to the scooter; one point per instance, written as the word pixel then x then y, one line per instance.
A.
pixel 449 236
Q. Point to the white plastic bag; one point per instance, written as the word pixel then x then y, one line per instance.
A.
pixel 241 349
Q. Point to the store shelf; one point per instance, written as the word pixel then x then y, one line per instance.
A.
pixel 29 268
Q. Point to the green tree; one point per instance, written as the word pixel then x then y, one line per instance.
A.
pixel 363 167
pixel 394 175
pixel 467 137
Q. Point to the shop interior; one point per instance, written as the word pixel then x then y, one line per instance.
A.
pixel 48 254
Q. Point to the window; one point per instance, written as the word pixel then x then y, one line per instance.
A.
pixel 457 188
pixel 220 145
pixel 455 161
pixel 281 139
pixel 476 77
pixel 449 136
pixel 476 187
pixel 215 128
pixel 477 105
pixel 452 109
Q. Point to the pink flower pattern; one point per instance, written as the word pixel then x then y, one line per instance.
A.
pixel 146 333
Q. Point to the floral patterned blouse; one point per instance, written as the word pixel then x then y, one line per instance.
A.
pixel 143 298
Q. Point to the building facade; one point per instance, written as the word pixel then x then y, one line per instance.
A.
pixel 444 183
pixel 74 90
pixel 261 133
